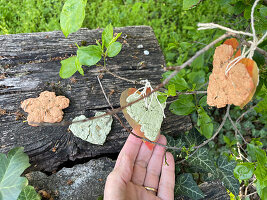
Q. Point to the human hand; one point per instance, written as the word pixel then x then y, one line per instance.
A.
pixel 138 167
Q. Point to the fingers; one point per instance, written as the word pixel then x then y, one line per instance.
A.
pixel 116 183
pixel 155 164
pixel 167 179
pixel 130 149
pixel 141 162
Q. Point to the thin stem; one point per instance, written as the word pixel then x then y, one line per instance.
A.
pixel 187 93
pixel 243 114
pixel 203 26
pixel 236 129
pixel 212 138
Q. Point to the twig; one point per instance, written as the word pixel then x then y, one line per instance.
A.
pixel 188 62
pixel 119 77
pixel 187 93
pixel 243 114
pixel 214 135
pixel 203 26
pixel 128 130
pixel 236 129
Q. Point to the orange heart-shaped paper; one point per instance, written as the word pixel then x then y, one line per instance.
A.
pixel 135 125
pixel 238 85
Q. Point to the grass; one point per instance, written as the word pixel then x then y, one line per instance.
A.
pixel 174 28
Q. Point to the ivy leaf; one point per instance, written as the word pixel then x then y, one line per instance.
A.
pixel 11 167
pixel 187 4
pixel 107 35
pixel 225 173
pixel 183 106
pixel 89 55
pixel 114 49
pixel 72 16
pixel 175 143
pixel 29 193
pixel 186 185
pixel 68 67
pixel 244 171
pixel 205 123
pixel 201 159
pixel 179 82
pixel 193 138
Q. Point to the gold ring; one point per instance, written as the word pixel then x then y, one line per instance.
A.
pixel 151 189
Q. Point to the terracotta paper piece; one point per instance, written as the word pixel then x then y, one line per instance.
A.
pixel 93 131
pixel 238 85
pixel 46 108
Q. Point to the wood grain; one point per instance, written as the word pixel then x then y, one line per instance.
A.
pixel 30 63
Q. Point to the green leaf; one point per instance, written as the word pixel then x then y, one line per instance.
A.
pixel 89 55
pixel 162 98
pixel 186 185
pixel 202 160
pixel 257 154
pixel 68 67
pixel 107 35
pixel 187 4
pixel 197 78
pixel 262 189
pixel 205 123
pixel 29 193
pixel 11 167
pixel 79 66
pixel 179 82
pixel 183 106
pixel 227 140
pixel 244 171
pixel 174 143
pixel 261 173
pixel 114 49
pixel 203 101
pixel 261 184
pixel 262 106
pixel 193 138
pixel 72 16
pixel 198 63
pixel 225 173
pixel 171 90
pixel 116 37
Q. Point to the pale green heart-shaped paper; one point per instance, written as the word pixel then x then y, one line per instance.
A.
pixel 93 131
pixel 149 118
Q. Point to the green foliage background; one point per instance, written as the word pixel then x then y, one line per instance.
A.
pixel 176 31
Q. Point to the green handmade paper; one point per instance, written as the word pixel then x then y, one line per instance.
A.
pixel 150 118
pixel 93 131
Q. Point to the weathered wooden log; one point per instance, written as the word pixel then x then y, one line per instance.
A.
pixel 29 64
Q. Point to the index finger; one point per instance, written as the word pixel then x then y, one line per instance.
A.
pixel 130 148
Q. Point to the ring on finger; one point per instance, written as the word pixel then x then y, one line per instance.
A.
pixel 151 189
